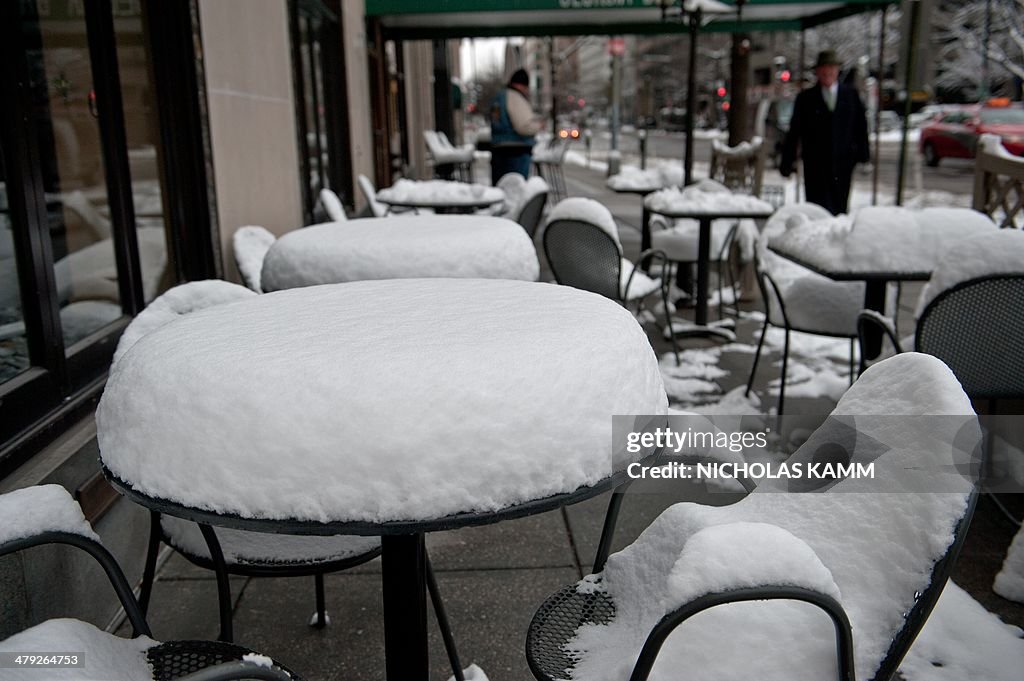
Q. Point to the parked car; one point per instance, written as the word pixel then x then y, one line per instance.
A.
pixel 954 133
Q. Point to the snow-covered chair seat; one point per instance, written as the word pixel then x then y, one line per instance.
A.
pixel 455 246
pixel 782 579
pixel 47 514
pixel 250 244
pixel 970 314
pixel 581 242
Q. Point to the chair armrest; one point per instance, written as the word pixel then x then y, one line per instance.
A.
pixel 873 318
pixel 747 561
pixel 46 514
pixel 649 253
pixel 239 670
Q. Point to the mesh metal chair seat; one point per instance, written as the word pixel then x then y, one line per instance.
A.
pixel 59 520
pixel 555 624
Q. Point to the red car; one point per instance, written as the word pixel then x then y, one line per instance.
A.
pixel 954 133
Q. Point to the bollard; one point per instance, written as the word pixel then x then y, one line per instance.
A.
pixel 614 161
pixel 642 136
pixel 587 140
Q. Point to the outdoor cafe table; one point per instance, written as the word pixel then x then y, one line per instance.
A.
pixel 409 247
pixel 391 408
pixel 733 206
pixel 440 196
pixel 642 183
pixel 883 245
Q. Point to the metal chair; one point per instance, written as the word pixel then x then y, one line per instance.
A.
pixel 586 255
pixel 378 209
pixel 61 522
pixel 855 602
pixel 797 299
pixel 531 210
pixel 548 163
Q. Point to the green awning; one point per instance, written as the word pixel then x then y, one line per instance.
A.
pixel 402 19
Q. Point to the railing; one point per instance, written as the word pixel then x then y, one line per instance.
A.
pixel 999 183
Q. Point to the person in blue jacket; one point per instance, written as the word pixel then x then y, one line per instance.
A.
pixel 513 126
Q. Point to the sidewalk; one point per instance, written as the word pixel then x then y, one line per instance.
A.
pixel 494 577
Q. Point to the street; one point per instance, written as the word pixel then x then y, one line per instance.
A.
pixel 952 175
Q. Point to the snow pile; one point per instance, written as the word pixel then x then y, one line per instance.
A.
pixel 332 204
pixel 453 401
pixel 176 302
pixel 106 656
pixel 961 640
pixel 251 244
pixel 439 193
pixel 880 240
pixel 246 547
pixel 472 673
pixel 993 144
pixel 743 150
pixel 631 178
pixel 997 251
pixel 1010 580
pixel 258 660
pixel 514 186
pixel 457 246
pixel 883 556
pixel 697 200
pixel 45 508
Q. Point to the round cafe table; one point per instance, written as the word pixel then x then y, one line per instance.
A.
pixel 408 247
pixel 440 196
pixel 391 408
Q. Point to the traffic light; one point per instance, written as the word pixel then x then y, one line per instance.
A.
pixel 722 92
pixel 785 76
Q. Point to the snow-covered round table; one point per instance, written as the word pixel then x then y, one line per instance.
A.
pixel 458 246
pixel 387 408
pixel 442 196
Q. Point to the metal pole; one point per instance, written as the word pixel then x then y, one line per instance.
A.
pixel 878 106
pixel 613 157
pixel 691 97
pixel 984 89
pixel 911 63
pixel 800 85
pixel 551 84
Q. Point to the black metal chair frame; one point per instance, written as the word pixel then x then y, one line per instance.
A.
pixel 544 645
pixel 723 256
pixel 318 569
pixel 923 331
pixel 765 281
pixel 552 172
pixel 530 214
pixel 173 660
pixel 609 245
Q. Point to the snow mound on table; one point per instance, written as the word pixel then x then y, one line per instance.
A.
pixel 586 210
pixel 962 640
pixel 743 150
pixel 455 246
pixel 438 191
pixel 700 200
pixel 999 251
pixel 1010 580
pixel 459 396
pixel 251 244
pixel 176 302
pixel 107 656
pixel 884 554
pixel 43 508
pixel 880 239
pixel 633 178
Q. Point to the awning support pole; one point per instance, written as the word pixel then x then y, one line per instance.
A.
pixel 908 73
pixel 878 105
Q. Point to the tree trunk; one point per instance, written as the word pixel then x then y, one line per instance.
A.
pixel 739 82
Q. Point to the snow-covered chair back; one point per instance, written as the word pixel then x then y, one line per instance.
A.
pixel 531 205
pixel 332 205
pixel 971 314
pixel 581 242
pixel 867 558
pixel 378 209
pixel 46 514
pixel 250 244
